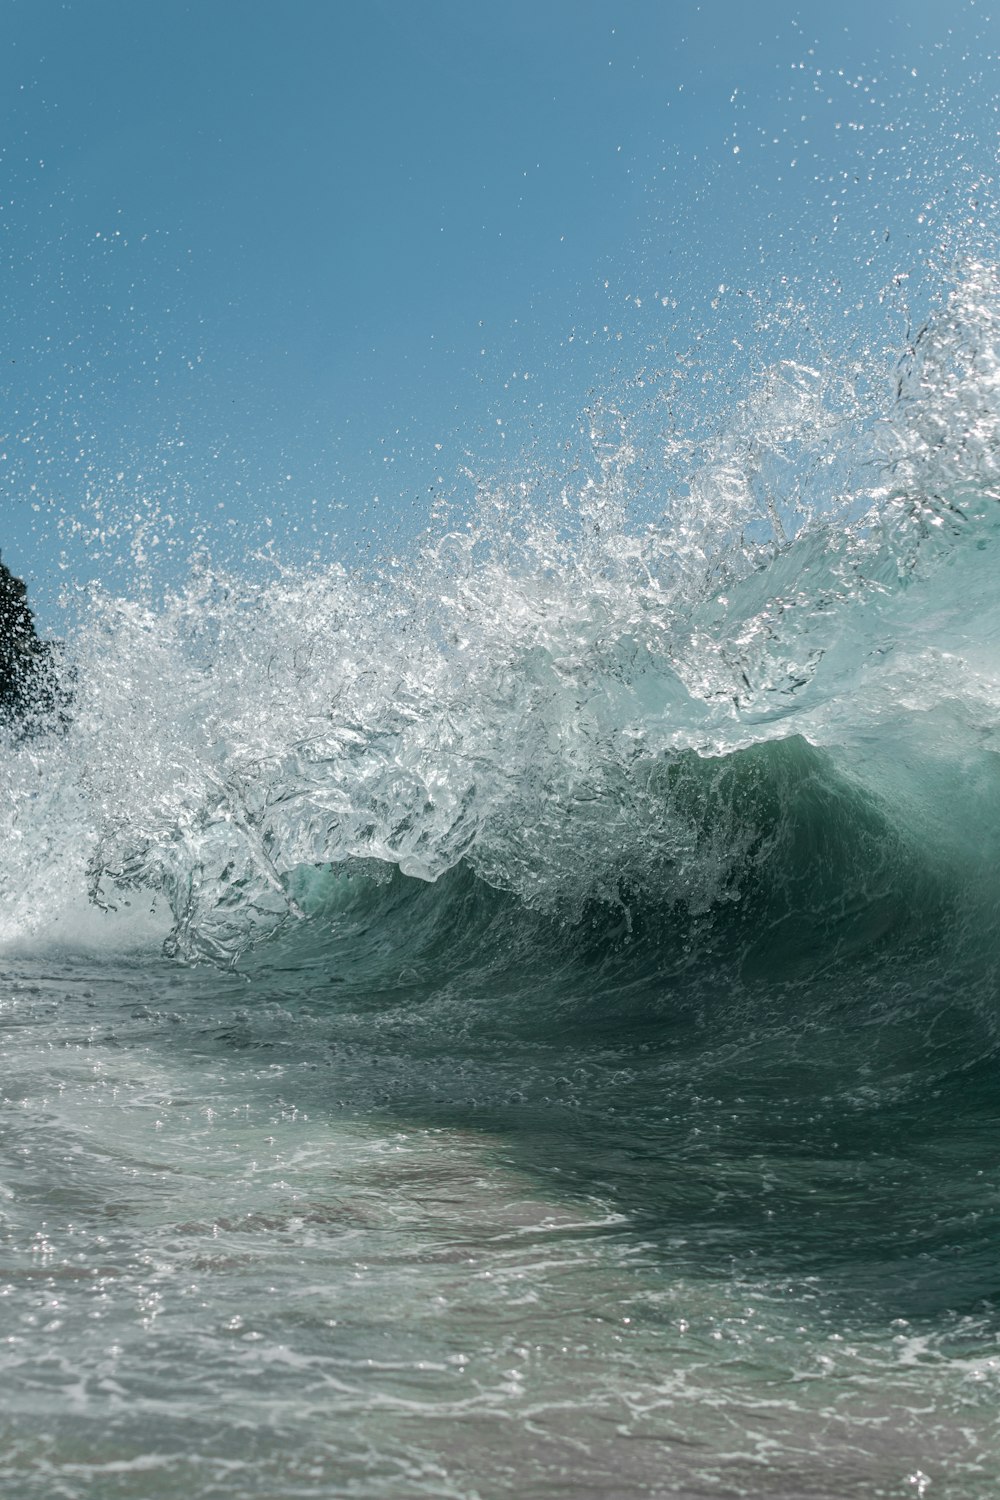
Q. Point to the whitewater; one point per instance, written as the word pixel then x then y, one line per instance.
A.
pixel 522 1020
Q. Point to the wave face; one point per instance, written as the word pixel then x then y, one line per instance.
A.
pixel 585 1026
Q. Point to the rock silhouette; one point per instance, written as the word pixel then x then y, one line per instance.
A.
pixel 29 681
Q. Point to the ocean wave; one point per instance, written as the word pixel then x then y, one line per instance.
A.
pixel 775 705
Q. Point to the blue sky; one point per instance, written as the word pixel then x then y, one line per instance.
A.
pixel 278 273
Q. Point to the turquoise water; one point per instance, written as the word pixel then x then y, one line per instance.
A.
pixel 526 1023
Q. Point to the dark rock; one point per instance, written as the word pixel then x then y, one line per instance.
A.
pixel 30 685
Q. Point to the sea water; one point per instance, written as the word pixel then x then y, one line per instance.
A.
pixel 524 1022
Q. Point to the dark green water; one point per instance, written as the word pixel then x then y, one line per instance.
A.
pixel 442 1197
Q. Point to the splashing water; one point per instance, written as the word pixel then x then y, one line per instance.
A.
pixel 527 695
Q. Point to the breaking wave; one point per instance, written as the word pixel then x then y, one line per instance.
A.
pixel 762 722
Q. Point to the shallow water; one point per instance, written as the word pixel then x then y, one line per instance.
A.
pixel 255 1242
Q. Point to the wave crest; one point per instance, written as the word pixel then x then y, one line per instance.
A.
pixel 557 697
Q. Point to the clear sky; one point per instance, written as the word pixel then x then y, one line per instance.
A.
pixel 287 272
